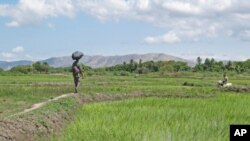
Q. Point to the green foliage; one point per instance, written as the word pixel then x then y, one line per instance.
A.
pixel 150 66
pixel 100 71
pixel 60 70
pixel 18 92
pixel 124 73
pixel 85 68
pixel 22 69
pixel 131 67
pixel 35 67
pixel 156 119
pixel 90 73
pixel 212 65
pixel 126 120
pixel 199 60
pixel 41 67
pixel 163 67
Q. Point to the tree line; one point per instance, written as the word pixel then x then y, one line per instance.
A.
pixel 140 67
pixel 150 66
pixel 42 67
pixel 208 65
pixel 212 65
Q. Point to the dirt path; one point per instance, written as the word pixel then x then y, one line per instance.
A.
pixel 29 128
pixel 39 105
pixel 99 97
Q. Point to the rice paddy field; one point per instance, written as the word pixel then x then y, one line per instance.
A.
pixel 157 119
pixel 175 106
pixel 20 92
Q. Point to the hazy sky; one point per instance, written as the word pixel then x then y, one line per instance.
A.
pixel 38 29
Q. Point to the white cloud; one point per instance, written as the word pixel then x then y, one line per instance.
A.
pixel 15 53
pixel 7 55
pixel 29 57
pixel 18 49
pixel 191 20
pixel 186 34
pixel 34 11
pixel 106 9
pixel 52 26
pixel 187 20
pixel 143 4
pixel 245 35
pixel 12 24
pixel 167 38
pixel 3 9
pixel 182 7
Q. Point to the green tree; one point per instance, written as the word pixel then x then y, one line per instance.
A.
pixel 199 60
pixel 246 64
pixel 41 67
pixel 166 68
pixel 229 66
pixel 140 63
pixel 207 64
pixel 132 66
pixel 22 69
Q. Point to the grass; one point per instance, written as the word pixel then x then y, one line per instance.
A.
pixel 159 119
pixel 205 114
pixel 146 84
pixel 20 92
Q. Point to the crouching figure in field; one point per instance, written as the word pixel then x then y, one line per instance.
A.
pixel 224 82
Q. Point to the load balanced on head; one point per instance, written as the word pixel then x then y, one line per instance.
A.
pixel 76 69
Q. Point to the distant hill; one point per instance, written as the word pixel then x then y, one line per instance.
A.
pixel 101 61
pixel 98 60
pixel 8 65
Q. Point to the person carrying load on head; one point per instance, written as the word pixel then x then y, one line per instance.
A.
pixel 76 69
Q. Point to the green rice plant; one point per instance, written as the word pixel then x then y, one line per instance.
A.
pixel 159 119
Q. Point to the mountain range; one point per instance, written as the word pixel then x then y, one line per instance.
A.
pixel 97 60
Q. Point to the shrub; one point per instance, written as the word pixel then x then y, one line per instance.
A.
pixel 90 73
pixel 124 73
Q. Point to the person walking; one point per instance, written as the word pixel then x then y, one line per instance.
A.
pixel 76 69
